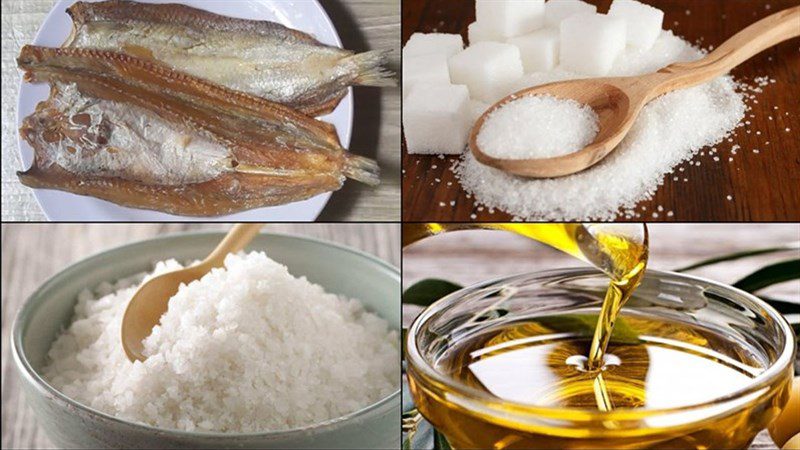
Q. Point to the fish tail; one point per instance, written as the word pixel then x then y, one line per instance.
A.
pixel 362 169
pixel 370 69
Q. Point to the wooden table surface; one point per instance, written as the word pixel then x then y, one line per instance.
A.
pixel 764 185
pixel 468 257
pixel 32 253
pixel 361 24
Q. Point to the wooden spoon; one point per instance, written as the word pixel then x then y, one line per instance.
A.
pixel 618 101
pixel 150 301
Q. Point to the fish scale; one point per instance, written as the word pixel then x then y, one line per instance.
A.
pixel 246 152
pixel 261 58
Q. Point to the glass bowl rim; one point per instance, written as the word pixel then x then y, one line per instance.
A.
pixel 417 362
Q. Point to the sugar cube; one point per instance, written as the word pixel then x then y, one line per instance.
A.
pixel 591 42
pixel 430 69
pixel 437 119
pixel 644 22
pixel 476 32
pixel 427 43
pixel 556 11
pixel 487 69
pixel 509 18
pixel 539 50
pixel 477 108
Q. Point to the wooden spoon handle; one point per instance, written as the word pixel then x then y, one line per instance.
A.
pixel 744 45
pixel 237 239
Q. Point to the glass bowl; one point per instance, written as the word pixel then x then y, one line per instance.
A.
pixel 474 418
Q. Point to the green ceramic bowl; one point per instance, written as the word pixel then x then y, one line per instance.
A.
pixel 69 424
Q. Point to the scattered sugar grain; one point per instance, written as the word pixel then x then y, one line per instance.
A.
pixel 539 126
pixel 247 348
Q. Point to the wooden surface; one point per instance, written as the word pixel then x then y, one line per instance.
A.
pixel 467 257
pixel 361 24
pixel 764 185
pixel 32 253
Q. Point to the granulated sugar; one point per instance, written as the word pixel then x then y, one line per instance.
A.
pixel 540 126
pixel 247 348
pixel 670 130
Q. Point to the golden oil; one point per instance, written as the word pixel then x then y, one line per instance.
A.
pixel 649 364
pixel 591 379
pixel 618 250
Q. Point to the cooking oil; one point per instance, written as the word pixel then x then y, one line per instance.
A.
pixel 541 362
pixel 618 250
pixel 651 364
pixel 590 379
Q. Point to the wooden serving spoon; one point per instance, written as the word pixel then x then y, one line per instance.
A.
pixel 150 302
pixel 618 101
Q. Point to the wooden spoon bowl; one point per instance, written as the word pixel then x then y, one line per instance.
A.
pixel 151 300
pixel 610 102
pixel 618 101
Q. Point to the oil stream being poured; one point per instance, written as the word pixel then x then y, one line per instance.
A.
pixel 619 250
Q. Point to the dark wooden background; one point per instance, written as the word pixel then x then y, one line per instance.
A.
pixel 764 186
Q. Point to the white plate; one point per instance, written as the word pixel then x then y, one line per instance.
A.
pixel 304 15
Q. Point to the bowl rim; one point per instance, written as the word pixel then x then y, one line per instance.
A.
pixel 36 380
pixel 416 362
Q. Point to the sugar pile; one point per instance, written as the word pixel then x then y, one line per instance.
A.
pixel 540 126
pixel 670 130
pixel 246 348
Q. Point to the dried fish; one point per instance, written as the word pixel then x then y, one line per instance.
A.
pixel 137 133
pixel 262 58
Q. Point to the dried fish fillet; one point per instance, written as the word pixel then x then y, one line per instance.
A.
pixel 140 134
pixel 261 58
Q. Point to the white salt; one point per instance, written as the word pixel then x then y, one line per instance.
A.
pixel 430 69
pixel 509 18
pixel 555 11
pixel 487 68
pixel 437 119
pixel 540 126
pixel 670 130
pixel 433 43
pixel 644 22
pixel 591 43
pixel 479 33
pixel 539 50
pixel 247 348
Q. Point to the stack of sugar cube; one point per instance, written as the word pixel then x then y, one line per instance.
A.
pixel 445 85
pixel 425 58
pixel 435 112
pixel 590 43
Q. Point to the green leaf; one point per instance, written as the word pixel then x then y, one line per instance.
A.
pixel 782 306
pixel 740 255
pixel 795 324
pixel 770 275
pixel 425 292
pixel 440 442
